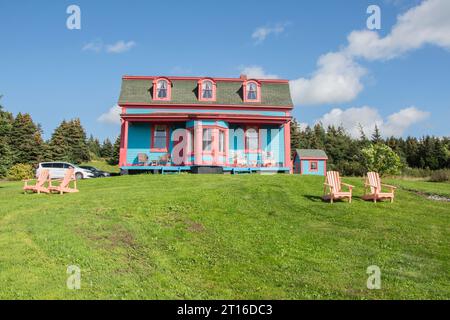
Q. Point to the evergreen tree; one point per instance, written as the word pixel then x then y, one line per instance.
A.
pixel 79 151
pixel 376 136
pixel 295 137
pixel 25 140
pixel 363 140
pixel 94 146
pixel 106 150
pixel 6 156
pixel 59 147
pixel 114 160
pixel 68 143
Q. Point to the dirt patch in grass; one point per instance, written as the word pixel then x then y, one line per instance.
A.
pixel 429 196
pixel 195 227
pixel 112 238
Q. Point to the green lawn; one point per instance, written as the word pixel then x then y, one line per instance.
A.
pixel 102 165
pixel 442 189
pixel 227 237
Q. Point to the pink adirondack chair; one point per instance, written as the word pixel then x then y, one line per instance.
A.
pixel 334 184
pixel 40 182
pixel 64 186
pixel 373 182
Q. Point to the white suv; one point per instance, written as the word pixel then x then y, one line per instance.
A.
pixel 58 170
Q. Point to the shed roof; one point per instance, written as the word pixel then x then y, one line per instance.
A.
pixel 311 153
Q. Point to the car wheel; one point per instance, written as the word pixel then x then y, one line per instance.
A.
pixel 78 176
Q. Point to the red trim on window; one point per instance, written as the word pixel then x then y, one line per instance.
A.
pixel 258 91
pixel 129 77
pixel 152 138
pixel 247 150
pixel 311 168
pixel 208 152
pixel 206 106
pixel 155 89
pixel 200 90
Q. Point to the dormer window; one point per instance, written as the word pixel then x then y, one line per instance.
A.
pixel 252 91
pixel 161 89
pixel 207 90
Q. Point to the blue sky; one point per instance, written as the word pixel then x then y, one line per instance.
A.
pixel 398 80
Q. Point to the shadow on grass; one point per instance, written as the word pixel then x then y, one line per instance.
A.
pixel 313 198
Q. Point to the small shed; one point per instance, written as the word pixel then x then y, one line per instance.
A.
pixel 310 162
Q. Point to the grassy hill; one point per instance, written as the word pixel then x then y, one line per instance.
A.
pixel 227 237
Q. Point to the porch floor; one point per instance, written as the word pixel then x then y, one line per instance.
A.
pixel 233 170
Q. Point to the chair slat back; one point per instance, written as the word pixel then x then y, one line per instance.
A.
pixel 67 178
pixel 142 157
pixel 334 179
pixel 43 177
pixel 374 180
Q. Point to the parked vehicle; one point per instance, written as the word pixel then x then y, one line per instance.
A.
pixel 58 170
pixel 97 172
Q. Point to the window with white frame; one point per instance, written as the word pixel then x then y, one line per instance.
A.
pixel 161 89
pixel 252 91
pixel 160 137
pixel 191 135
pixel 221 141
pixel 207 89
pixel 252 139
pixel 207 139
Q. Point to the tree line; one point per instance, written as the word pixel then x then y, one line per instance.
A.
pixel 21 142
pixel 346 153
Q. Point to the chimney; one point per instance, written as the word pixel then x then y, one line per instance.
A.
pixel 243 77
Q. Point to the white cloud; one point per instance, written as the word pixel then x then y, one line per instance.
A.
pixel 261 33
pixel 337 80
pixel 398 122
pixel 120 46
pixel 112 116
pixel 95 46
pixel 427 23
pixel 256 72
pixel 353 119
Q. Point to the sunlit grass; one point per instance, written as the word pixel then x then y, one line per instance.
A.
pixel 222 236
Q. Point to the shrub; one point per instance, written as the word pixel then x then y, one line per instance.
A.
pixel 416 172
pixel 382 159
pixel 440 176
pixel 20 171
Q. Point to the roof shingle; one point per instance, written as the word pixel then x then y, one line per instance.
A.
pixel 186 92
pixel 311 153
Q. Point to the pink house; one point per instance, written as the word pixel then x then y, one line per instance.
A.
pixel 173 124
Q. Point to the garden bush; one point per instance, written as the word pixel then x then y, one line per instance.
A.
pixel 20 171
pixel 440 176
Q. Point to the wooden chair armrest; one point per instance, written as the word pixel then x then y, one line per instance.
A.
pixel 328 185
pixel 388 185
pixel 27 180
pixel 348 185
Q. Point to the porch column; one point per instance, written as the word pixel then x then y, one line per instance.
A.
pixel 287 146
pixel 198 142
pixel 123 143
pixel 227 146
pixel 215 146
